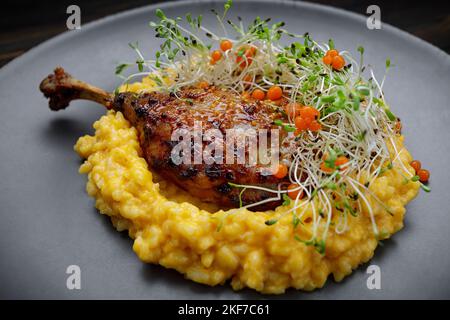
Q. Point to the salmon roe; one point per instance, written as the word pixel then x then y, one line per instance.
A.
pixel 325 168
pixel 274 93
pixel 216 55
pixel 332 53
pixel 295 191
pixel 248 78
pixel 203 84
pixel 416 165
pixel 246 58
pixel 281 171
pixel 339 162
pixel 226 45
pixel 327 59
pixel 307 119
pixel 258 94
pixel 293 109
pixel 334 59
pixel 424 175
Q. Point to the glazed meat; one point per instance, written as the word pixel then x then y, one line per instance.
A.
pixel 156 116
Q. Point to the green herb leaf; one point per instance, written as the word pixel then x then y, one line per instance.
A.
pixel 278 122
pixel 390 115
pixel 271 222
pixel 327 99
pixel 331 43
pixel 227 6
pixel 363 90
pixel 121 67
pixel 160 14
pixel 289 128
pixel 295 221
pixel 361 136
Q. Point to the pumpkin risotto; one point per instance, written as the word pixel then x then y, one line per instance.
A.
pixel 340 186
pixel 171 228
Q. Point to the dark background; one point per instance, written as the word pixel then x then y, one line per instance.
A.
pixel 24 23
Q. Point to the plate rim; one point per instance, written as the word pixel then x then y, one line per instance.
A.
pixel 61 39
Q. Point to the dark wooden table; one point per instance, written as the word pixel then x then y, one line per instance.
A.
pixel 24 23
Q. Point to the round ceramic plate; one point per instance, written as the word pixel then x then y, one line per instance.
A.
pixel 48 222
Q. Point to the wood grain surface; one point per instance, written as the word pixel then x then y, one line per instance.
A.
pixel 24 23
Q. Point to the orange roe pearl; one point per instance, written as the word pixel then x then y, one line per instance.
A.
pixel 416 165
pixel 424 175
pixel 216 55
pixel 332 53
pixel 281 171
pixel 338 62
pixel 226 45
pixel 243 63
pixel 300 123
pixel 293 109
pixel 245 95
pixel 294 191
pixel 258 94
pixel 325 169
pixel 315 126
pixel 274 93
pixel 308 121
pixel 248 78
pixel 340 161
pixel 203 84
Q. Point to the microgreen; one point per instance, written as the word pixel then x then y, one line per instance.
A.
pixel 286 127
pixel 286 200
pixel 271 222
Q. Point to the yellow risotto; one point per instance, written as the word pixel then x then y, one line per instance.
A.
pixel 175 230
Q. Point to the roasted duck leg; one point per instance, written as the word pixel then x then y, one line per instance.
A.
pixel 156 115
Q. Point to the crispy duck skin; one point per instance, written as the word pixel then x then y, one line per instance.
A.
pixel 156 115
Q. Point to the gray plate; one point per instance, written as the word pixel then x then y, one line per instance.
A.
pixel 48 222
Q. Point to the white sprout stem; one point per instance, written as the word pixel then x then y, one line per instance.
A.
pixel 359 134
pixel 369 207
